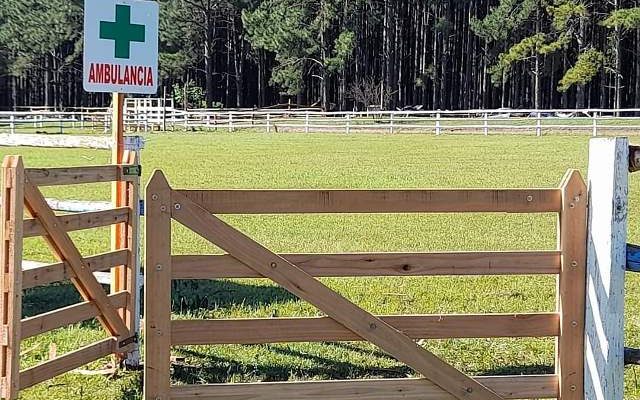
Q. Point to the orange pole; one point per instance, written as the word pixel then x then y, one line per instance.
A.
pixel 118 191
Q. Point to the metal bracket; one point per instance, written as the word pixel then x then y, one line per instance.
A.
pixel 634 158
pixel 128 341
pixel 132 170
pixel 633 258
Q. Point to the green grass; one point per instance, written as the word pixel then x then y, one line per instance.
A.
pixel 251 160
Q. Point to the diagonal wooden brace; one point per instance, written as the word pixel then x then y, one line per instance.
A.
pixel 301 284
pixel 64 248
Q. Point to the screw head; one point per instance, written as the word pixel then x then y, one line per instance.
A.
pixel 158 267
pixel 273 265
pixel 154 197
pixel 574 264
pixel 177 206
pixel 163 208
pixel 576 199
pixel 573 388
pixel 572 205
pixel 469 390
pixel 574 323
pixel 529 199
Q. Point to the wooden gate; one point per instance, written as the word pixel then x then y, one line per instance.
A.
pixel 345 321
pixel 116 312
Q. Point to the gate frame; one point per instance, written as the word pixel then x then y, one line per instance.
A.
pixel 247 258
pixel 116 312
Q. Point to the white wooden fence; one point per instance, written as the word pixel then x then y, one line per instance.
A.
pixel 148 116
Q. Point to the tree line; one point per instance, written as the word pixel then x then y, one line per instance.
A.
pixel 347 54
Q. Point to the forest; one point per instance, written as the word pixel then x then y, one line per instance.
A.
pixel 346 54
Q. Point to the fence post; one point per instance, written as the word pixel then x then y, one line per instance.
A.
pixel 606 260
pixel 306 122
pixel 571 287
pixel 157 279
pixel 595 124
pixel 230 121
pixel 268 123
pixel 11 258
pixel 12 125
pixel 538 124
pixel 391 122
pixel 486 124
pixel 348 123
pixel 438 124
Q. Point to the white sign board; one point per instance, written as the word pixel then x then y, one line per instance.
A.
pixel 121 46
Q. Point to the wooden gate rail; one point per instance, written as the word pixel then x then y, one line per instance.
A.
pixel 21 193
pixel 347 322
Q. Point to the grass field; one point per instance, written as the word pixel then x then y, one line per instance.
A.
pixel 250 160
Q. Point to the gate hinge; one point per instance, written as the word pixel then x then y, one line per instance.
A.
pixel 128 341
pixel 132 170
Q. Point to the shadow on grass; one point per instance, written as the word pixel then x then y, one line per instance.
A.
pixel 43 299
pixel 217 369
pixel 193 295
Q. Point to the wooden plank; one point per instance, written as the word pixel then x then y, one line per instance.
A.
pixel 76 222
pixel 571 287
pixel 606 259
pixel 325 329
pixel 62 271
pixel 375 201
pixel 64 249
pixel 11 214
pixel 46 322
pixel 74 175
pixel 509 387
pixel 157 289
pixel 299 283
pixel 378 264
pixel 67 362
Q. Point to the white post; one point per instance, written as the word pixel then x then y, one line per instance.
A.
pixel 595 124
pixel 486 124
pixel 348 123
pixel 306 122
pixel 606 261
pixel 438 124
pixel 12 125
pixel 230 121
pixel 268 123
pixel 538 124
pixel 391 122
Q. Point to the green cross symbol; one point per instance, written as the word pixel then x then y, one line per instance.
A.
pixel 123 32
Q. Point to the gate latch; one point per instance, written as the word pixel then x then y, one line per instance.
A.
pixel 132 170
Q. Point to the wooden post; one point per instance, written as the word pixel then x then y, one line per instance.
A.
pixel 11 258
pixel 157 289
pixel 118 199
pixel 348 123
pixel 571 287
pixel 306 122
pixel 486 124
pixel 606 260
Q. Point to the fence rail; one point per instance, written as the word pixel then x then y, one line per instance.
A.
pixel 149 116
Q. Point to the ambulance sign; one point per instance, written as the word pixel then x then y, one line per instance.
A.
pixel 121 46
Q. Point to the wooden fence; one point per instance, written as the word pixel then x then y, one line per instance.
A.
pixel 345 321
pixel 116 311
